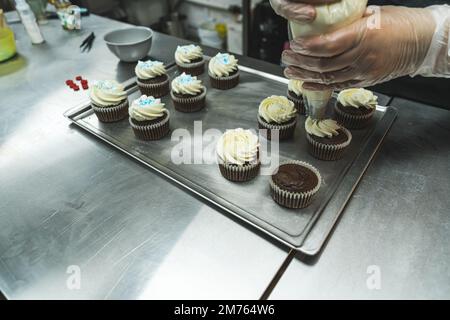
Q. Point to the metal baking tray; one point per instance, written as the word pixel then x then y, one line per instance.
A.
pixel 304 230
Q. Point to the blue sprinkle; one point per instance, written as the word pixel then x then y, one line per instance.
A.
pixel 147 64
pixel 146 101
pixel 224 58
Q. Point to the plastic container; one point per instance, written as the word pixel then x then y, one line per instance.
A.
pixel 209 36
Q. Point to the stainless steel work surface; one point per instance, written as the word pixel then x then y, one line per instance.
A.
pixel 67 199
pixel 237 108
pixel 396 228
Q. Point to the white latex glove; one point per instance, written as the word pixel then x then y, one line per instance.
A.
pixel 359 55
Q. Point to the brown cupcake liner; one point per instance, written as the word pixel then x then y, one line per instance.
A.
pixel 111 114
pixel 193 69
pixel 351 121
pixel 152 131
pixel 239 173
pixel 328 152
pixel 298 103
pixel 294 200
pixel 157 90
pixel 285 131
pixel 191 104
pixel 224 83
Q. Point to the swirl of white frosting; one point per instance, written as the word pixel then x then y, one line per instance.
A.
pixel 187 84
pixel 357 98
pixel 149 69
pixel 107 93
pixel 322 128
pixel 186 54
pixel 146 108
pixel 222 65
pixel 296 86
pixel 277 109
pixel 238 146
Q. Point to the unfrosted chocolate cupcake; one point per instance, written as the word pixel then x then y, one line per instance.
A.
pixel 109 101
pixel 277 114
pixel 238 155
pixel 188 93
pixel 294 184
pixel 152 78
pixel 355 108
pixel 149 118
pixel 223 71
pixel 327 140
pixel 189 59
pixel 295 94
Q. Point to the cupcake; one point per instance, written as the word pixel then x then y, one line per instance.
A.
pixel 152 78
pixel 294 184
pixel 327 140
pixel 188 93
pixel 295 94
pixel 149 118
pixel 109 101
pixel 223 71
pixel 189 59
pixel 355 108
pixel 238 155
pixel 277 113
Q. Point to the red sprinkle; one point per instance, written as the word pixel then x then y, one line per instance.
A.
pixel 69 82
pixel 75 87
pixel 85 87
pixel 84 81
pixel 78 78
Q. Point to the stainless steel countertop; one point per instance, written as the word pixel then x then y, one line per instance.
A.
pixel 67 199
pixel 395 228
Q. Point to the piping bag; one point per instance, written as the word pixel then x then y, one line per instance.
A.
pixel 329 17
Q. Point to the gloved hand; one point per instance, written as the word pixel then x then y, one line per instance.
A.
pixel 361 55
pixel 297 10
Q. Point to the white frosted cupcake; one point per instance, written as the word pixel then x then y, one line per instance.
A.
pixel 355 107
pixel 109 101
pixel 188 93
pixel 238 155
pixel 149 118
pixel 277 113
pixel 223 71
pixel 327 139
pixel 152 78
pixel 189 59
pixel 295 94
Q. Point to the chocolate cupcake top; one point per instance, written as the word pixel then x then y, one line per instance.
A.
pixel 147 108
pixel 187 54
pixel 358 98
pixel 107 93
pixel 238 146
pixel 322 128
pixel 296 86
pixel 222 65
pixel 149 69
pixel 187 85
pixel 296 178
pixel 277 109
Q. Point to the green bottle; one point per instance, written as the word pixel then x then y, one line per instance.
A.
pixel 7 41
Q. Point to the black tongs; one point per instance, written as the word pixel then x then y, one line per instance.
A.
pixel 86 45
